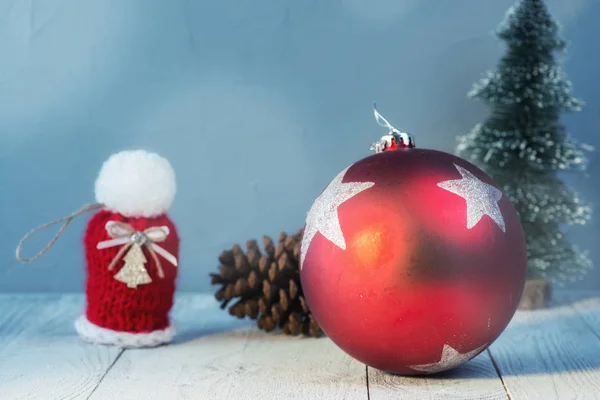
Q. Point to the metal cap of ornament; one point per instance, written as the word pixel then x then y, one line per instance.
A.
pixel 394 139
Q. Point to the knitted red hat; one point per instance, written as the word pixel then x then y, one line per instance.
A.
pixel 131 249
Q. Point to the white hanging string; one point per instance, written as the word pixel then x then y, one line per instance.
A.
pixel 382 121
pixel 386 124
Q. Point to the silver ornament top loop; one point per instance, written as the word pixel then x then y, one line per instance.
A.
pixel 393 139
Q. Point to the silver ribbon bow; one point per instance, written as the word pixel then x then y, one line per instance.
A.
pixel 123 234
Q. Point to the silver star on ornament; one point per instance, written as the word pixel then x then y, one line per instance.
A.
pixel 323 215
pixel 482 199
pixel 450 359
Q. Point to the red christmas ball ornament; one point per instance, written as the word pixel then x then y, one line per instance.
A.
pixel 412 261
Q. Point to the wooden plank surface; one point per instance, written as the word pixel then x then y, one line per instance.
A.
pixel 211 361
pixel 551 354
pixel 547 354
pixel 587 305
pixel 40 355
pixel 477 380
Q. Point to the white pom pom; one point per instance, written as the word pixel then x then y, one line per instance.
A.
pixel 136 184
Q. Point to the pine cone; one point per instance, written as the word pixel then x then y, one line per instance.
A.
pixel 266 285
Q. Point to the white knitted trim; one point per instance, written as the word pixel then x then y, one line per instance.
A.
pixel 93 333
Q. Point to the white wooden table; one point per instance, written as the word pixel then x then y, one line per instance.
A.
pixel 549 354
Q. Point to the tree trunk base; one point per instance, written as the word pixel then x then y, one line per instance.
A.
pixel 536 295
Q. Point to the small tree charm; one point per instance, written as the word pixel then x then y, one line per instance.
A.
pixel 134 272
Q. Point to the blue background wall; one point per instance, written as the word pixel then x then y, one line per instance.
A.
pixel 257 104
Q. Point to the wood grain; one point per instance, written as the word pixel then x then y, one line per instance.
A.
pixel 219 357
pixel 551 354
pixel 589 310
pixel 543 354
pixel 41 356
pixel 477 380
pixel 587 305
